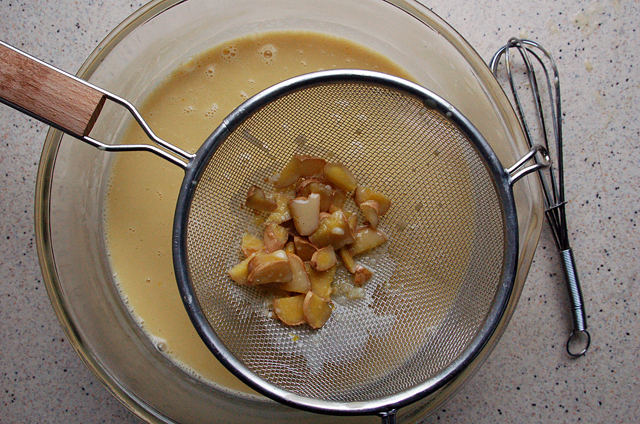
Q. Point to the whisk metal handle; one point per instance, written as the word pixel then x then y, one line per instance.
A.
pixel 579 340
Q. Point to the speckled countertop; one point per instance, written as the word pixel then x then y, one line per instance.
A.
pixel 529 377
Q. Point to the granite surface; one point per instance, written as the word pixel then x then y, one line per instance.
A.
pixel 529 377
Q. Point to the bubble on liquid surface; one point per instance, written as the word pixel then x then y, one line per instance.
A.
pixel 188 65
pixel 212 111
pixel 229 53
pixel 268 53
pixel 160 343
pixel 210 71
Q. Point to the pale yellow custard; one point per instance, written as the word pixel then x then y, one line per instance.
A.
pixel 184 110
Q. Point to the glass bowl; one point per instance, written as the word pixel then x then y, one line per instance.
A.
pixel 73 180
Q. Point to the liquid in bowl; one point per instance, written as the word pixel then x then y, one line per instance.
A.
pixel 184 109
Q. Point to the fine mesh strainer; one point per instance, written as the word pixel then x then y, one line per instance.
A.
pixel 440 284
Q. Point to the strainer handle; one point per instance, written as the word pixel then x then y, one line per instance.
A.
pixel 68 103
pixel 45 93
pixel 542 161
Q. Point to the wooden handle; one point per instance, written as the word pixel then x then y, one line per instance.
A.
pixel 47 93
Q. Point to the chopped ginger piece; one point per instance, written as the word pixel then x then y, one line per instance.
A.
pixel 324 259
pixel 367 239
pixel 364 194
pixel 361 276
pixel 289 310
pixel 300 282
pixel 267 268
pixel 321 281
pixel 371 211
pixel 304 249
pixel 347 259
pixel 316 310
pixel 256 199
pixel 333 230
pixel 240 272
pixel 275 237
pixel 340 176
pixel 305 212
pixel 281 213
pixel 250 244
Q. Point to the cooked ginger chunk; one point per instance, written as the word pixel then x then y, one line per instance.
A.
pixel 367 239
pixel 256 199
pixel 324 259
pixel 316 310
pixel 305 212
pixel 364 194
pixel 275 237
pixel 267 268
pixel 250 244
pixel 289 310
pixel 334 231
pixel 340 176
pixel 300 282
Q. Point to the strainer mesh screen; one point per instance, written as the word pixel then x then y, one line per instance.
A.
pixel 434 281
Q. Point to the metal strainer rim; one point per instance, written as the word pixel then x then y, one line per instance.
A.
pixel 501 179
